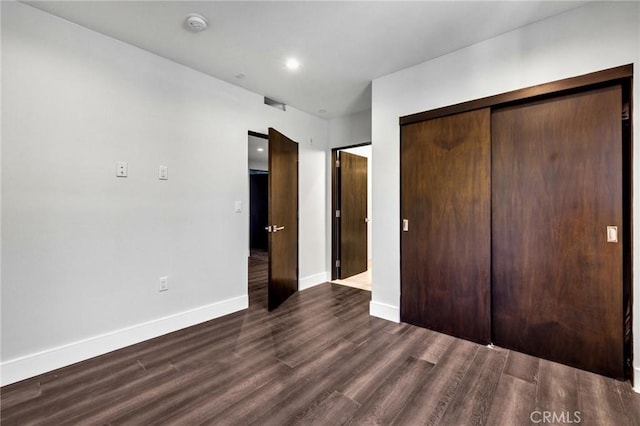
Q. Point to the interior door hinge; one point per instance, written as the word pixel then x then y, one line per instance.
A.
pixel 337 213
pixel 625 111
pixel 337 163
pixel 337 263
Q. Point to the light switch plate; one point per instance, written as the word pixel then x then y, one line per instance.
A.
pixel 238 206
pixel 163 173
pixel 164 284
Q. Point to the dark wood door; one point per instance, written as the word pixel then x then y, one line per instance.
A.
pixel 283 218
pixel 353 214
pixel 557 185
pixel 445 250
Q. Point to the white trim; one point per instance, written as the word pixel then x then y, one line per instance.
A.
pixel 636 379
pixel 41 362
pixel 313 280
pixel 384 311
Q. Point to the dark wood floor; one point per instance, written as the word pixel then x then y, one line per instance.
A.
pixel 318 359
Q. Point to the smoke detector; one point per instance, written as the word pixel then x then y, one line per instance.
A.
pixel 196 23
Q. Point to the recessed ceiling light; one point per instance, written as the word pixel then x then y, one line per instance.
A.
pixel 260 149
pixel 292 64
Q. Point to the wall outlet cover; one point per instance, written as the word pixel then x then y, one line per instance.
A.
pixel 121 169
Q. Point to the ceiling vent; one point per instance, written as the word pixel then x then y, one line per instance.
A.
pixel 196 23
pixel 275 104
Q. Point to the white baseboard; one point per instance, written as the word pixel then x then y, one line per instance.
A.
pixel 312 280
pixel 636 379
pixel 31 365
pixel 384 311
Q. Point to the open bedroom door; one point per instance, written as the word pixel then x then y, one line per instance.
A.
pixel 283 218
pixel 353 214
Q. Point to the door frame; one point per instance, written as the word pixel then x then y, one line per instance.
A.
pixel 335 206
pixel 622 75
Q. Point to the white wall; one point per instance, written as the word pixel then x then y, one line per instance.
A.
pixel 350 130
pixel 591 38
pixel 365 151
pixel 82 250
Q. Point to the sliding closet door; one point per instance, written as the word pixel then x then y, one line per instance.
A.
pixel 556 187
pixel 445 206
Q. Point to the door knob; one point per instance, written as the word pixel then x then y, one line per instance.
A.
pixel 268 228
pixel 277 228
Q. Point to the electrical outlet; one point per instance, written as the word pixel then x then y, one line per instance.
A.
pixel 164 284
pixel 121 169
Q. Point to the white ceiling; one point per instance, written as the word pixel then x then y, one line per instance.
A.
pixel 256 156
pixel 342 46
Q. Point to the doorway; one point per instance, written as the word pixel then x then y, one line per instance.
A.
pixel 258 169
pixel 273 219
pixel 351 207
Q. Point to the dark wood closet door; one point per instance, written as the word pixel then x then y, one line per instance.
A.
pixel 556 186
pixel 353 214
pixel 283 218
pixel 445 199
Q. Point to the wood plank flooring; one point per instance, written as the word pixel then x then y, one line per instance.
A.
pixel 319 359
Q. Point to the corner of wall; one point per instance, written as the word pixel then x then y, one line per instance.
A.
pixel 384 311
pixel 313 280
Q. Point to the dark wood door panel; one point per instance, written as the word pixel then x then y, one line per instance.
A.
pixel 283 217
pixel 445 196
pixel 353 209
pixel 556 186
